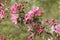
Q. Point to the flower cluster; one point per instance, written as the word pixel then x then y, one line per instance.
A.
pixel 52 22
pixel 14 10
pixel 54 25
pixel 40 31
pixel 34 12
pixel 14 13
pixel 34 26
pixel 2 12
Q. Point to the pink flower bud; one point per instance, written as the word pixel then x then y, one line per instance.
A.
pixel 30 37
pixel 2 12
pixel 47 21
pixel 40 31
pixel 1 5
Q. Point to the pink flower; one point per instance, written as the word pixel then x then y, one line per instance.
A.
pixel 35 25
pixel 53 21
pixel 1 5
pixel 30 28
pixel 47 21
pixel 2 12
pixel 25 22
pixel 14 21
pixel 14 8
pixel 20 6
pixel 29 14
pixel 42 27
pixel 33 12
pixel 28 17
pixel 2 38
pixel 35 9
pixel 40 31
pixel 31 37
pixel 37 12
pixel 14 18
pixel 15 15
pixel 57 28
pixel 52 29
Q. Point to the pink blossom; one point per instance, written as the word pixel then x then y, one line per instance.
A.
pixel 37 12
pixel 52 29
pixel 20 6
pixel 33 12
pixel 47 21
pixel 15 15
pixel 31 37
pixel 14 18
pixel 57 28
pixel 42 27
pixel 1 5
pixel 14 8
pixel 53 21
pixel 2 38
pixel 35 9
pixel 2 12
pixel 25 22
pixel 35 25
pixel 40 31
pixel 14 21
pixel 28 17
pixel 29 28
pixel 29 14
